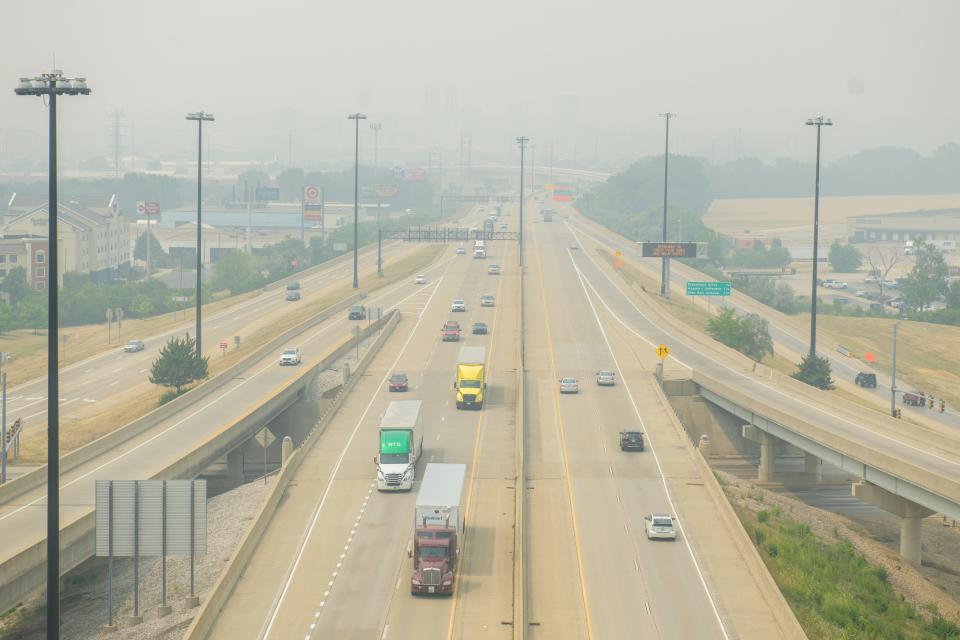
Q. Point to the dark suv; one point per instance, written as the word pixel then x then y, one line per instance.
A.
pixel 868 380
pixel 631 441
pixel 357 312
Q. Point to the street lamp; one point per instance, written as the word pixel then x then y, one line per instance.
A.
pixel 200 117
pixel 356 117
pixel 53 84
pixel 819 122
pixel 522 141
pixel 376 126
pixel 665 269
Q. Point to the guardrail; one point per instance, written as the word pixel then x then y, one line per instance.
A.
pixel 68 462
pixel 209 612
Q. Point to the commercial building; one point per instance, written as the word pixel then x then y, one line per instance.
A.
pixel 929 225
pixel 93 235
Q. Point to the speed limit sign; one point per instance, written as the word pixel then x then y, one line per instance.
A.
pixel 311 194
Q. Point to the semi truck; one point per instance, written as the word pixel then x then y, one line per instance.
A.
pixel 479 249
pixel 470 383
pixel 438 529
pixel 400 441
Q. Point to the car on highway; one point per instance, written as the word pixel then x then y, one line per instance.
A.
pixel 503 226
pixel 631 440
pixel 461 251
pixel 493 270
pixel 574 247
pixel 459 304
pixel 398 382
pixel 487 301
pixel 450 331
pixel 569 385
pixel 421 279
pixel 866 380
pixel 293 286
pixel 872 279
pixel 293 296
pixel 357 312
pixel 133 346
pixel 605 378
pixel 480 329
pixel 860 293
pixel 290 356
pixel 834 284
pixel 659 526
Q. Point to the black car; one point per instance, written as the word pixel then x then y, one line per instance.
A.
pixel 868 380
pixel 293 286
pixel 293 296
pixel 631 441
pixel 357 312
pixel 480 328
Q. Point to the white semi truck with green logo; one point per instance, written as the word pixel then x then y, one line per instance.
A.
pixel 400 441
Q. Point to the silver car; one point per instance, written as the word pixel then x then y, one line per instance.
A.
pixel 458 305
pixel 605 378
pixel 133 346
pixel 486 301
pixel 569 385
pixel 659 526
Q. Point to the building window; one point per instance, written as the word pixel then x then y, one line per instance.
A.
pixel 41 272
pixel 3 257
pixel 41 257
pixel 13 259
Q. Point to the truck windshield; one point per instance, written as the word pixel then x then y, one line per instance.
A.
pixel 433 552
pixel 469 384
pixel 394 458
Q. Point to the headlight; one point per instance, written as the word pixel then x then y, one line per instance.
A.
pixel 415 581
pixel 447 583
pixel 380 474
pixel 408 473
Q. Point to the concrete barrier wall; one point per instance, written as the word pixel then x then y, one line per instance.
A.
pixel 777 604
pixel 26 571
pixel 206 617
pixel 70 461
pixel 520 491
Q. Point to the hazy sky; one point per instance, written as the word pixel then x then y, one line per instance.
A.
pixel 742 74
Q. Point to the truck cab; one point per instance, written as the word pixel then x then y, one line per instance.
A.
pixel 400 445
pixel 434 560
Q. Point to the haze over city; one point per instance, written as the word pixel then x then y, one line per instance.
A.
pixel 742 76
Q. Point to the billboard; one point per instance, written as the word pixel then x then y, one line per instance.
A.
pixel 669 249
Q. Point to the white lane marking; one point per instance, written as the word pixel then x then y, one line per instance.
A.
pixel 656 458
pixel 89 400
pixel 143 370
pixel 733 371
pixel 113 383
pixel 86 382
pixel 291 572
pixel 117 370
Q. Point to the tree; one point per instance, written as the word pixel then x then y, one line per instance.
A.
pixel 32 312
pixel 750 334
pixel 953 295
pixel 882 260
pixel 928 279
pixel 844 258
pixel 158 257
pixel 178 364
pixel 15 285
pixel 238 272
pixel 6 317
pixel 815 371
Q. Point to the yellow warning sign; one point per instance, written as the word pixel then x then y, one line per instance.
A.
pixel 617 254
pixel 663 351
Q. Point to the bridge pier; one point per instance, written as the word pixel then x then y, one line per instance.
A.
pixel 911 516
pixel 768 451
pixel 811 467
pixel 235 465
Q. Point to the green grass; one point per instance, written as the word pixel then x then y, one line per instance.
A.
pixel 834 592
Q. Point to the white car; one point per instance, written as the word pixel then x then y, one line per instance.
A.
pixel 487 301
pixel 421 279
pixel 290 356
pixel 133 346
pixel 659 526
pixel 834 284
pixel 606 378
pixel 569 385
pixel 461 251
pixel 458 305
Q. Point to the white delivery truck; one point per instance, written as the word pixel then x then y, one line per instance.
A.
pixel 438 529
pixel 479 249
pixel 400 441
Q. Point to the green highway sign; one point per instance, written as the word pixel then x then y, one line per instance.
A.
pixel 708 288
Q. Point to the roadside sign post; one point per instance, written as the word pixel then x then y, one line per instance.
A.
pixel 662 352
pixel 708 289
pixel 109 314
pixel 223 347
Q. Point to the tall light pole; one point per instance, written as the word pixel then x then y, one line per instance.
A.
pixel 665 269
pixel 51 85
pixel 522 141
pixel 200 117
pixel 356 117
pixel 819 122
pixel 376 126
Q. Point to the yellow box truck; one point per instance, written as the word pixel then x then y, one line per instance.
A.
pixel 470 383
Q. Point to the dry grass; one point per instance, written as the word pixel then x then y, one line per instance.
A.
pixel 81 429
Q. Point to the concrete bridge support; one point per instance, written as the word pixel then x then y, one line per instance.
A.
pixel 811 467
pixel 768 451
pixel 235 465
pixel 911 516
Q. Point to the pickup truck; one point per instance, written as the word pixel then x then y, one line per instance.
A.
pixel 450 331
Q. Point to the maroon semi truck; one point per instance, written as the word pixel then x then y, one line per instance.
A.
pixel 438 530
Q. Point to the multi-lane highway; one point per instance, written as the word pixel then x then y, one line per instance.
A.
pixel 333 560
pixel 85 385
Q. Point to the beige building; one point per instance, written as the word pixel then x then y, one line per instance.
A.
pixel 92 239
pixel 934 225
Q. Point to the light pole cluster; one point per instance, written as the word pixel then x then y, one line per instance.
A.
pixel 200 117
pixel 51 85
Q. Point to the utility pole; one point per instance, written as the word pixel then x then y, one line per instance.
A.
pixel 200 117
pixel 356 117
pixel 819 122
pixel 522 141
pixel 665 269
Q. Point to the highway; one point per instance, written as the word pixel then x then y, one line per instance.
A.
pixel 113 373
pixel 785 331
pixel 333 560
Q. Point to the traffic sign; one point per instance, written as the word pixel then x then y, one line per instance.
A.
pixel 663 351
pixel 708 288
pixel 869 357
pixel 311 194
pixel 148 208
pixel 223 344
pixel 617 263
pixel 265 437
pixel 670 249
pixel 617 253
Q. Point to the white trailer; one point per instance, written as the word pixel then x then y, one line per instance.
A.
pixel 440 496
